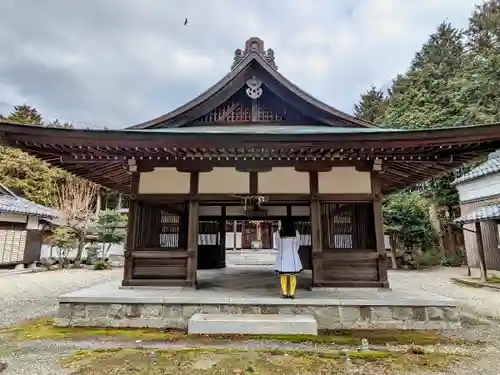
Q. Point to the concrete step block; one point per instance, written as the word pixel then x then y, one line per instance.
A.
pixel 252 324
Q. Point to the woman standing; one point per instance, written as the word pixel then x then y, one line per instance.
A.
pixel 288 262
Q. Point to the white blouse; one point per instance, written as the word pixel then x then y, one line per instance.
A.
pixel 287 259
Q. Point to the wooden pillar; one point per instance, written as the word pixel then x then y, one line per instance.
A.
pixel 480 252
pixel 235 231
pixel 379 228
pixel 316 237
pixel 132 225
pixel 222 239
pixel 192 240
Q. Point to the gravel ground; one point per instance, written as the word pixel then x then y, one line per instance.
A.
pixel 27 296
pixel 30 295
pixel 438 281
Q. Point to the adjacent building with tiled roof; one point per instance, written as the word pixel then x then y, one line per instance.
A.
pixel 479 193
pixel 21 228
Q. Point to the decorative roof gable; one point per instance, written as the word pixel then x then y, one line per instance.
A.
pixel 254 75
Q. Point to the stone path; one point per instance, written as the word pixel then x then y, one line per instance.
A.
pixel 30 295
pixel 438 281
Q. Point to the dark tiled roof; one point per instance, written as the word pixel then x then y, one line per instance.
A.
pixel 265 129
pixel 490 212
pixel 490 166
pixel 11 203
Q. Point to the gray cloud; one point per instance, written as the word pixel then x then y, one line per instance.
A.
pixel 119 62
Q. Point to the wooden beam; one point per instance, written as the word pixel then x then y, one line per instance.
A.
pixel 131 231
pixel 316 237
pixel 379 228
pixel 480 252
pixel 254 183
pixel 273 198
pixel 193 221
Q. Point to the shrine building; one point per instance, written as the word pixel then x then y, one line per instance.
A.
pixel 255 147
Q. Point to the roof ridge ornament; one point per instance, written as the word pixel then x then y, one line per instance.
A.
pixel 254 45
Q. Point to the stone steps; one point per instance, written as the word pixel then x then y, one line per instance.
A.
pixel 252 324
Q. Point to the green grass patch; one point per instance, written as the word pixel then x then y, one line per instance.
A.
pixel 43 329
pixel 262 362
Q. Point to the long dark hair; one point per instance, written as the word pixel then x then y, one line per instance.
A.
pixel 287 228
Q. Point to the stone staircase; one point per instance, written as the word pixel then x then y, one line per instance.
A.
pixel 252 324
pixel 250 257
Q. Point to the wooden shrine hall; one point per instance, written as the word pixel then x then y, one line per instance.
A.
pixel 255 146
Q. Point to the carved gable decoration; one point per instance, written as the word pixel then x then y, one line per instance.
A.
pixel 254 92
pixel 254 45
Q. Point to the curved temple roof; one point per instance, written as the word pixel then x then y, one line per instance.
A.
pixel 408 156
pixel 254 53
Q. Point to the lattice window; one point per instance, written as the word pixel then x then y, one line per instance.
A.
pixel 304 229
pixel 348 226
pixel 267 113
pixel 233 111
pixel 162 225
pixel 208 233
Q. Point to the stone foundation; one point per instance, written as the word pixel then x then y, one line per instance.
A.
pixel 329 317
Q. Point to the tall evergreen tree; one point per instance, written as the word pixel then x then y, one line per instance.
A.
pixel 26 114
pixel 476 88
pixel 27 175
pixel 371 106
pixel 422 97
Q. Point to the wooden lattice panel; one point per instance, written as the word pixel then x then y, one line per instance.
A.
pixel 348 226
pixel 269 114
pixel 232 111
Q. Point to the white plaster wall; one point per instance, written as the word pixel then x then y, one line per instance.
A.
pixel 344 180
pixel 224 181
pixel 164 181
pixel 480 188
pixel 283 180
pixel 13 218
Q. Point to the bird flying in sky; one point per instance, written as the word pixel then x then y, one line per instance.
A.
pixel 185 21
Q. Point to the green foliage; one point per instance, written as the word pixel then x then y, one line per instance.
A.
pixel 429 258
pixel 111 229
pixel 101 264
pixel 64 240
pixel 421 98
pixel 27 175
pixel 371 106
pixel 406 216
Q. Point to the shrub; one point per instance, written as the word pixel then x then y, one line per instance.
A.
pixel 101 264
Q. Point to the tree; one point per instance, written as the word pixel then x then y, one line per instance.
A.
pixel 64 240
pixel 425 97
pixel 407 221
pixel 476 88
pixel 372 105
pixel 26 114
pixel 76 201
pixel 111 229
pixel 422 97
pixel 27 175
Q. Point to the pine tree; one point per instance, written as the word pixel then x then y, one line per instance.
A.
pixel 476 88
pixel 371 106
pixel 27 175
pixel 422 98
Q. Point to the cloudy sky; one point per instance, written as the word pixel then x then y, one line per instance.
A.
pixel 119 62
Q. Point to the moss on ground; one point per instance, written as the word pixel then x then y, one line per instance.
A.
pixel 43 329
pixel 234 361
